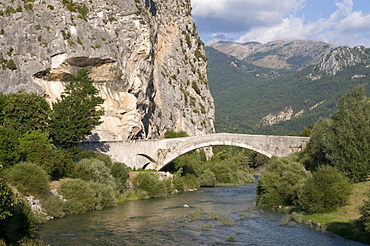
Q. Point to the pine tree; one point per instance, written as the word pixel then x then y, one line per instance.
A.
pixel 78 111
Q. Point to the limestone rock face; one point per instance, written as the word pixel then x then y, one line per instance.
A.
pixel 341 58
pixel 144 56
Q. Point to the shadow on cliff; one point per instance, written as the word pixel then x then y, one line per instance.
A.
pixel 95 144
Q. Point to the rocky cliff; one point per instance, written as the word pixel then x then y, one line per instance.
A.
pixel 145 57
pixel 342 57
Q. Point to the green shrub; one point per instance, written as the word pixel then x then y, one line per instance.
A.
pixel 54 206
pixel 32 242
pixel 82 195
pixel 327 190
pixel 365 212
pixel 150 183
pixel 120 172
pixel 173 134
pixel 281 182
pixel 29 178
pixel 6 200
pixel 94 170
pixel 9 153
pixel 79 191
pixel 106 159
pixel 22 224
pixel 207 178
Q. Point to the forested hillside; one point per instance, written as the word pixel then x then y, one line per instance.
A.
pixel 250 99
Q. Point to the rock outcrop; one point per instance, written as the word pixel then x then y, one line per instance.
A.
pixel 144 56
pixel 341 58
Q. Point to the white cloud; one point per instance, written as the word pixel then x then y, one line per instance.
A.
pixel 268 20
pixel 241 15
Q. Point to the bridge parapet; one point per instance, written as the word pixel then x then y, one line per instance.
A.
pixel 158 153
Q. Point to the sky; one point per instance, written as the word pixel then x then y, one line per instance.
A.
pixel 337 22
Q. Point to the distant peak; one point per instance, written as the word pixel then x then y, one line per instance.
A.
pixel 251 43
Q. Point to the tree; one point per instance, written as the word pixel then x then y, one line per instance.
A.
pixel 26 112
pixel 281 182
pixel 9 151
pixel 6 200
pixel 344 140
pixel 78 111
pixel 327 190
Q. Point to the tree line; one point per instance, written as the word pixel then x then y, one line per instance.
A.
pixel 320 179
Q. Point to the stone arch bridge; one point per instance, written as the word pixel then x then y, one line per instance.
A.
pixel 157 153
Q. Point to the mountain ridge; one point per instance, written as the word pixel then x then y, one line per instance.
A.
pixel 252 99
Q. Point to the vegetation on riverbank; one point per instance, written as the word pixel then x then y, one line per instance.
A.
pixel 326 180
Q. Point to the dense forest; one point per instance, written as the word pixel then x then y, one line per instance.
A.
pixel 244 94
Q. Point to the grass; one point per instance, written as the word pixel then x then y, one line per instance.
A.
pixel 344 221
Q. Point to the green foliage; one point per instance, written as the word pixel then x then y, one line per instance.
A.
pixel 9 153
pixel 11 65
pixel 173 134
pixel 54 206
pixel 223 168
pixel 34 147
pixel 32 242
pixel 26 112
pixel 207 178
pixel 343 141
pixel 281 182
pixel 120 172
pixel 6 200
pixel 82 195
pixel 29 178
pixel 365 212
pixel 245 93
pixel 93 170
pixel 150 183
pixel 10 10
pixel 77 112
pixel 194 85
pixel 28 6
pixel 22 224
pixel 327 190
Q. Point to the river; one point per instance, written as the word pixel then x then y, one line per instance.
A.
pixel 165 221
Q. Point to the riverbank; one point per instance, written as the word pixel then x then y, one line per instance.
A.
pixel 345 220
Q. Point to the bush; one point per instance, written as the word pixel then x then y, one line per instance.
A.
pixel 9 153
pixel 6 200
pixel 327 190
pixel 150 183
pixel 29 178
pixel 120 172
pixel 82 195
pixel 54 206
pixel 21 224
pixel 365 212
pixel 281 182
pixel 173 134
pixel 207 178
pixel 94 170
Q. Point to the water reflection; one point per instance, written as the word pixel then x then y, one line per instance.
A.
pixel 158 222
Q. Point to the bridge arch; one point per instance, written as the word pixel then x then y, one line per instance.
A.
pixel 156 153
pixel 174 156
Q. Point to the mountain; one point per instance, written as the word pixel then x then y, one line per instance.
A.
pixel 145 57
pixel 252 99
pixel 283 55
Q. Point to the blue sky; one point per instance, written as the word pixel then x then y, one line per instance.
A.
pixel 338 22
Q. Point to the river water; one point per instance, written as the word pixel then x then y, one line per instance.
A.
pixel 165 221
